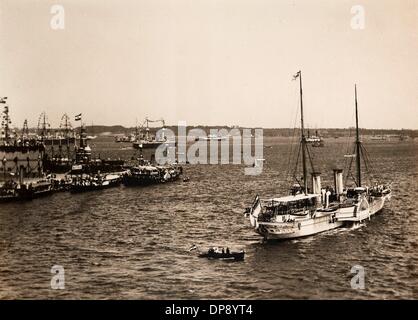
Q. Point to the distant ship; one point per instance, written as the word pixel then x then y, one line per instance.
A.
pixel 147 140
pixel 211 137
pixel 64 136
pixel 379 138
pixel 316 140
pixel 125 138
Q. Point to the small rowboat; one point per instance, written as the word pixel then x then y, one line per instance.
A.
pixel 214 253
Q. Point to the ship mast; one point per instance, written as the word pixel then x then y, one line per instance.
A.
pixel 303 138
pixel 358 163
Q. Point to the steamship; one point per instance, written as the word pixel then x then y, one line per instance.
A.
pixel 305 211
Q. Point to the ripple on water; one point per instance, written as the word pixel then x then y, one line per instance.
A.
pixel 133 242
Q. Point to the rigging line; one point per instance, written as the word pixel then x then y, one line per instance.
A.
pixel 368 163
pixel 349 172
pixel 292 138
pixel 289 170
pixel 289 157
pixel 348 142
pixel 296 166
pixel 310 159
pixel 366 167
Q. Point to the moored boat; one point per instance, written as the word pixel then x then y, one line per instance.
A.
pixel 147 174
pixel 94 182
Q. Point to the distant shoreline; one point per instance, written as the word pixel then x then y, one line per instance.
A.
pixel 267 132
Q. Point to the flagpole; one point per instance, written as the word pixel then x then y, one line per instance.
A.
pixel 303 138
pixel 358 162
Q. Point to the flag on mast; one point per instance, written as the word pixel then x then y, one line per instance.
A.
pixel 296 75
pixel 78 117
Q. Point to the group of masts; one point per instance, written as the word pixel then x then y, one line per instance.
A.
pixel 304 142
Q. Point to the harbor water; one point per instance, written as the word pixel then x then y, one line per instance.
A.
pixel 132 243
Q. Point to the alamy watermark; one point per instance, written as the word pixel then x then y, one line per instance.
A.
pixel 246 148
pixel 358 280
pixel 358 20
pixel 58 278
pixel 57 21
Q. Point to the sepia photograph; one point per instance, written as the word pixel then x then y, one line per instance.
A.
pixel 190 151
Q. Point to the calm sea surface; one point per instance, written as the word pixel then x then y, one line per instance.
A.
pixel 132 243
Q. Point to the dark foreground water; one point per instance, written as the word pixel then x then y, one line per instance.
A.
pixel 132 243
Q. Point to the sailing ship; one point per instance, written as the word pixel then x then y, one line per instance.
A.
pixel 64 136
pixel 21 163
pixel 304 212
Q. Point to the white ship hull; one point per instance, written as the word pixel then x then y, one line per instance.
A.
pixel 298 229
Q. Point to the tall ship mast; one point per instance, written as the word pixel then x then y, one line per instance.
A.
pixel 358 143
pixel 20 159
pixel 63 136
pixel 303 138
pixel 5 123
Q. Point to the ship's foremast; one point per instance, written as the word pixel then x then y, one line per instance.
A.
pixel 303 138
pixel 358 143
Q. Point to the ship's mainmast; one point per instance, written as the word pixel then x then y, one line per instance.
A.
pixel 358 143
pixel 303 138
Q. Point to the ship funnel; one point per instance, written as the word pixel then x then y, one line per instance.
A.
pixel 316 182
pixel 338 181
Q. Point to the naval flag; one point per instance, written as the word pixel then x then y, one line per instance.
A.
pixel 296 75
pixel 78 117
pixel 255 211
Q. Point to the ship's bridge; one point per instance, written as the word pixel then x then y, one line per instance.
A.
pixel 291 204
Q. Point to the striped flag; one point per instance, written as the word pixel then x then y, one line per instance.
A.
pixel 78 117
pixel 255 211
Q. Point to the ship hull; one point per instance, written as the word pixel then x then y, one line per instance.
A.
pixel 309 227
pixel 146 180
pixel 152 144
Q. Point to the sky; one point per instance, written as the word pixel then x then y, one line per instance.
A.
pixel 211 62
